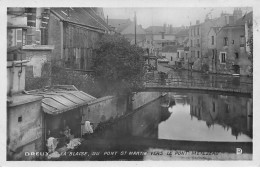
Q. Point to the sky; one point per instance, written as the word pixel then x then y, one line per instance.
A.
pixel 176 16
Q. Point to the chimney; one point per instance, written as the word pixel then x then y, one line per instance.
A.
pixel 197 21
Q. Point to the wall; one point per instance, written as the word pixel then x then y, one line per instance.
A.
pixel 166 37
pixel 168 55
pixel 103 109
pixel 231 49
pixel 54 36
pixel 107 107
pixel 15 78
pixel 141 98
pixel 26 135
pixel 38 55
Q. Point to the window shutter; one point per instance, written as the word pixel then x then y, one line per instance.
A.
pixel 19 37
pixel 38 36
pixel 31 17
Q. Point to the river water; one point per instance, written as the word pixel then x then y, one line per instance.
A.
pixel 171 120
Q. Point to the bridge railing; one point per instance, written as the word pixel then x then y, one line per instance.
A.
pixel 228 85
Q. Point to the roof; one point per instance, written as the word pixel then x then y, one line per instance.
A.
pixel 183 32
pixel 59 99
pixel 81 16
pixel 169 49
pixel 159 29
pixel 241 22
pixel 215 29
pixel 246 18
pixel 92 12
pixel 119 24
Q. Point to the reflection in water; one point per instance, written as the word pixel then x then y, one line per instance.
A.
pixel 165 121
pixel 194 117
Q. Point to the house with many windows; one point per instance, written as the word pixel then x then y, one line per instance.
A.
pixel 232 47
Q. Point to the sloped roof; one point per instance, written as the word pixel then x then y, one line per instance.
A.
pixel 92 12
pixel 215 29
pixel 59 100
pixel 78 16
pixel 159 29
pixel 169 49
pixel 119 24
pixel 246 18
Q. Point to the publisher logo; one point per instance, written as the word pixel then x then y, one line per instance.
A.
pixel 239 151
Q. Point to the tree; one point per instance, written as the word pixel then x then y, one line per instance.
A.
pixel 118 64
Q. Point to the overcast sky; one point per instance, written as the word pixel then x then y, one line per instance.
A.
pixel 175 16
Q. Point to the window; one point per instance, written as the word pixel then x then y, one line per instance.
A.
pixel 198 31
pixel 236 55
pixel 242 41
pixel 198 42
pixel 191 31
pixel 213 106
pixel 171 58
pixel 213 54
pixel 186 56
pixel 191 43
pixel 223 57
pixel 178 54
pixel 198 53
pixel 233 41
pixel 225 41
pixel 194 33
pixel 212 40
pixel 20 119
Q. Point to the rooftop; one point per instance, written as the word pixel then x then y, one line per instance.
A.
pixel 61 98
pixel 82 16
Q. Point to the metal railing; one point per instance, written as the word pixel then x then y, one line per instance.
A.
pixel 218 85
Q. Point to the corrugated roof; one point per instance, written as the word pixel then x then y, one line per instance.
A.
pixel 56 100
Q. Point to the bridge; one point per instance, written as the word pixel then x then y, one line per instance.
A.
pixel 227 87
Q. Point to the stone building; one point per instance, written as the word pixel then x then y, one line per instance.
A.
pixel 233 49
pixel 198 39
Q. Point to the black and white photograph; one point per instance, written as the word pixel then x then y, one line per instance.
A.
pixel 124 83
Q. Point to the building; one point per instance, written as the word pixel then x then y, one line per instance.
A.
pixel 182 36
pixel 75 32
pixel 161 36
pixel 198 39
pixel 233 49
pixel 212 48
pixel 170 53
pixel 28 28
pixel 127 28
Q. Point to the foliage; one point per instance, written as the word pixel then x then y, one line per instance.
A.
pixel 55 74
pixel 82 81
pixel 118 64
pixel 250 43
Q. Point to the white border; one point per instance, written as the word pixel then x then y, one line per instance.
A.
pixel 133 3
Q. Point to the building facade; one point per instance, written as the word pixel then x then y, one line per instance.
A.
pixel 233 49
pixel 75 32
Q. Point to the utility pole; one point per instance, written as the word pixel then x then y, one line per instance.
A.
pixel 135 28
